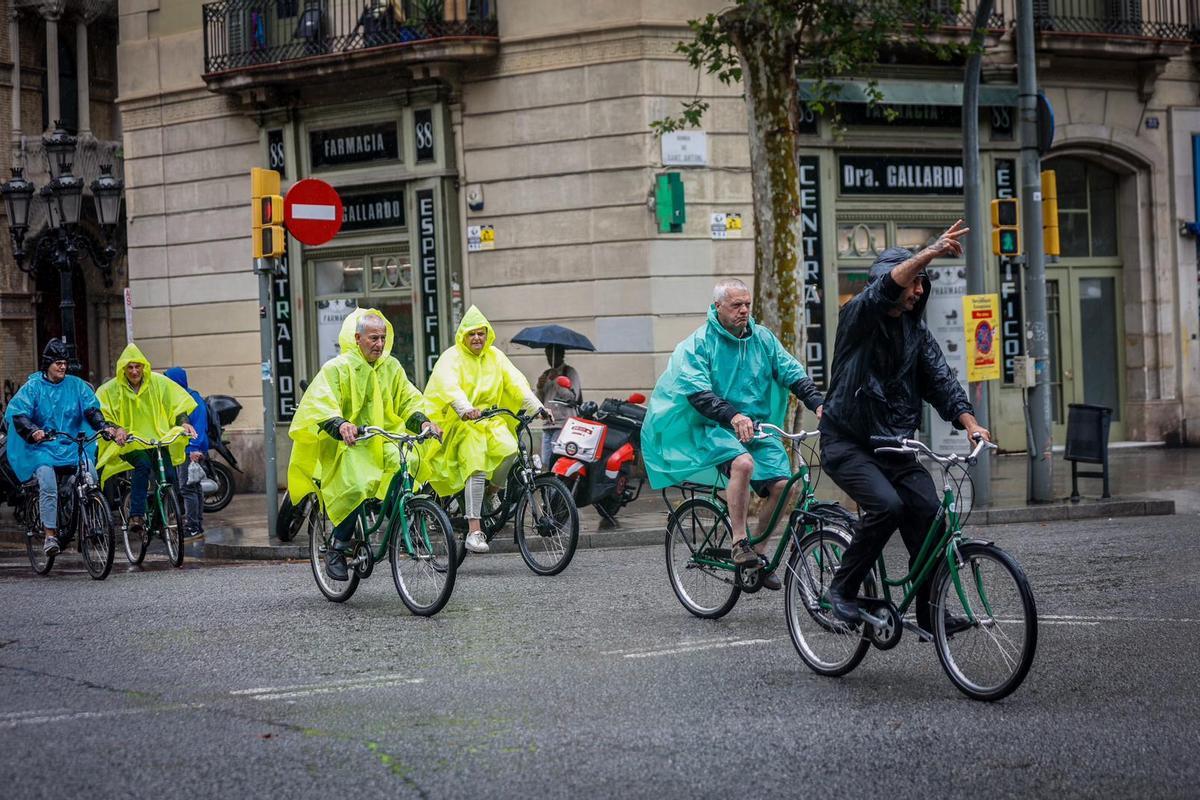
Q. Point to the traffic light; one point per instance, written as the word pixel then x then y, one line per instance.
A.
pixel 1006 228
pixel 1050 213
pixel 266 214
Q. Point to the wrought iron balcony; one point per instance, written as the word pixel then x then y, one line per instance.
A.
pixel 248 34
pixel 1170 20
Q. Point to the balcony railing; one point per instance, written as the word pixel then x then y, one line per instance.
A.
pixel 249 33
pixel 1146 19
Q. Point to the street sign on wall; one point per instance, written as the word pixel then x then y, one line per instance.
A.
pixel 313 211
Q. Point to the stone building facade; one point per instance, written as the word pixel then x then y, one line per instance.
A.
pixel 501 155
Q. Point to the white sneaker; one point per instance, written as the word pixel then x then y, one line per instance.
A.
pixel 476 542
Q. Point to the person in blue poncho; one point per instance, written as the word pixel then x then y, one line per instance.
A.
pixel 52 400
pixel 197 453
pixel 728 375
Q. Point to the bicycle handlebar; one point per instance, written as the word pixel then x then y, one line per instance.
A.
pixel 159 443
pixel 402 438
pixel 78 439
pixel 764 429
pixel 915 447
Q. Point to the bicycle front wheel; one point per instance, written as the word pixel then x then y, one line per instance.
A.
pixel 986 659
pixel 424 565
pixel 698 533
pixel 172 525
pixel 827 645
pixel 547 526
pixel 96 536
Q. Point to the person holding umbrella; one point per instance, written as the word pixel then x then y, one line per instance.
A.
pixel 559 400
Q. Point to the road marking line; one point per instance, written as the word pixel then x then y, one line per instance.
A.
pixel 297 687
pixel 713 646
pixel 37 713
pixel 685 643
pixel 83 715
pixel 333 689
pixel 1081 618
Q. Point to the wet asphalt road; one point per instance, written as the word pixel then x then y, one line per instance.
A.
pixel 242 681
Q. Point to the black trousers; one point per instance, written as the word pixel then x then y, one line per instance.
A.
pixel 894 491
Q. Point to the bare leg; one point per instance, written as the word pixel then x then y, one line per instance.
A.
pixel 737 493
pixel 765 511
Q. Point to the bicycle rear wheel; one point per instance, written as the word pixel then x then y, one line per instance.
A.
pixel 698 531
pixel 320 539
pixel 988 659
pixel 172 525
pixel 96 536
pixel 547 526
pixel 827 645
pixel 35 536
pixel 424 566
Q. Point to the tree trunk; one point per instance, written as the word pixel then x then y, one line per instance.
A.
pixel 767 55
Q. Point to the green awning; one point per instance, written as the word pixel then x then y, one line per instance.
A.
pixel 917 93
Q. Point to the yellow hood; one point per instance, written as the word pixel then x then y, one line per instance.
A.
pixel 472 320
pixel 133 354
pixel 349 347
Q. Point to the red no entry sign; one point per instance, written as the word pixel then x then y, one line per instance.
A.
pixel 312 211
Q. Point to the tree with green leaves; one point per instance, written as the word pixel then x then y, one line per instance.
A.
pixel 770 47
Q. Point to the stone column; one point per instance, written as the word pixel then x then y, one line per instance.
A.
pixel 14 38
pixel 53 104
pixel 82 78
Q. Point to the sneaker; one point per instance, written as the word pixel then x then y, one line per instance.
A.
pixel 335 564
pixel 771 581
pixel 743 554
pixel 51 547
pixel 476 542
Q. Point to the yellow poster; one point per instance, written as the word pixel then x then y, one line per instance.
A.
pixel 981 313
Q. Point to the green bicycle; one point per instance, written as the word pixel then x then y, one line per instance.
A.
pixel 410 530
pixel 164 518
pixel 699 536
pixel 983 613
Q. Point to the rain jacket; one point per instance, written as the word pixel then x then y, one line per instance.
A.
pixel 349 389
pixel 712 376
pixel 69 406
pixel 462 380
pixel 152 412
pixel 199 417
pixel 883 367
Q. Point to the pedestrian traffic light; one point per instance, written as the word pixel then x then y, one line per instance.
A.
pixel 266 214
pixel 1006 228
pixel 1050 238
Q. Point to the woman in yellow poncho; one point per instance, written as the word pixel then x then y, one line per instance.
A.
pixel 469 377
pixel 364 385
pixel 147 405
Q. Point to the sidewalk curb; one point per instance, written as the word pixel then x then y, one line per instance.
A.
pixel 216 546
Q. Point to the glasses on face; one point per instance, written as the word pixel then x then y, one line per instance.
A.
pixel 62 362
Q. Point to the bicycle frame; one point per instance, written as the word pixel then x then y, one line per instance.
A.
pixel 156 449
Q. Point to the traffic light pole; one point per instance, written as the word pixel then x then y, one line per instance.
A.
pixel 1040 485
pixel 981 472
pixel 265 269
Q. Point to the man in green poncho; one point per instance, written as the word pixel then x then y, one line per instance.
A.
pixel 364 385
pixel 725 377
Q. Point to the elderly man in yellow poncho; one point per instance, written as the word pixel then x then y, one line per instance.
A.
pixel 364 385
pixel 468 378
pixel 150 406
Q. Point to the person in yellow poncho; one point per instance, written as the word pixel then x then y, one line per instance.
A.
pixel 363 385
pixel 150 406
pixel 471 376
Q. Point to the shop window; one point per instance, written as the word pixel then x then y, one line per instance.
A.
pixel 916 238
pixel 1087 208
pixel 861 240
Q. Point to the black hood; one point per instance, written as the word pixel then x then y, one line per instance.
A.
pixel 56 350
pixel 894 257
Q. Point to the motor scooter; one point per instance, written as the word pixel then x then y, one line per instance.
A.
pixel 222 411
pixel 597 451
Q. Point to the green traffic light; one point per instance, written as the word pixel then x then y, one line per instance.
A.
pixel 1008 243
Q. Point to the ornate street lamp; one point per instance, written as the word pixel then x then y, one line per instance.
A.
pixel 61 245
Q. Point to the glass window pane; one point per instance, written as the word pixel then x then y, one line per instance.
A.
pixel 399 311
pixel 1071 174
pixel 1073 234
pixel 917 238
pixel 1053 323
pixel 341 276
pixel 861 240
pixel 330 316
pixel 850 283
pixel 1098 316
pixel 1103 192
pixel 392 273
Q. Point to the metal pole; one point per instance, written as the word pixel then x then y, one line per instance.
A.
pixel 65 262
pixel 981 473
pixel 1040 488
pixel 265 267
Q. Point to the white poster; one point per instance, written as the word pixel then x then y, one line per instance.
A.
pixel 330 316
pixel 685 149
pixel 943 315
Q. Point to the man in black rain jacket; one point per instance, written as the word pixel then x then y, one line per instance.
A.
pixel 885 363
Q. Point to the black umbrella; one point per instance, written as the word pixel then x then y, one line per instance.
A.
pixel 548 335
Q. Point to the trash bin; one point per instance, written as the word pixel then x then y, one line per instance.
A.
pixel 1087 443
